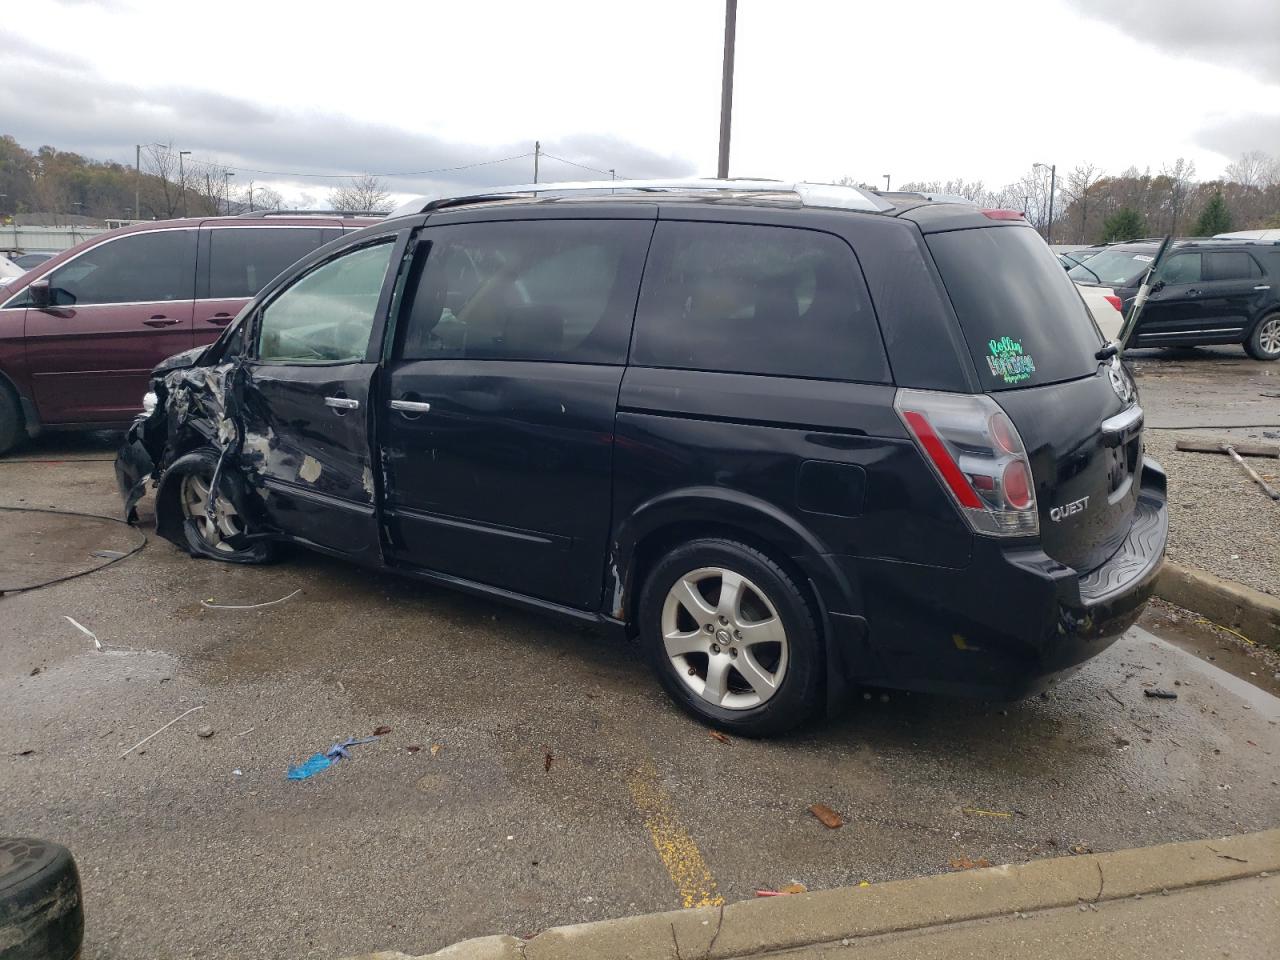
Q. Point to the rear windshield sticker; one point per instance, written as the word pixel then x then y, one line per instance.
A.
pixel 1143 257
pixel 1008 362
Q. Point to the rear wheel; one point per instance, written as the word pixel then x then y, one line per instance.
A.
pixel 1264 342
pixel 41 915
pixel 208 531
pixel 732 638
pixel 11 423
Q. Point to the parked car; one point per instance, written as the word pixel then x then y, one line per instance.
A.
pixel 1070 258
pixel 1271 236
pixel 792 438
pixel 28 260
pixel 9 271
pixel 80 334
pixel 1206 292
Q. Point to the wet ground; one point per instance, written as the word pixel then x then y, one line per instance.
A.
pixel 554 783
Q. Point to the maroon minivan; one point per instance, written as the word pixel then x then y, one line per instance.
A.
pixel 80 333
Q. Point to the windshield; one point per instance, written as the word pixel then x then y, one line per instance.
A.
pixel 1023 319
pixel 1114 268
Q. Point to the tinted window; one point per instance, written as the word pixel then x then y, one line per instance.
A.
pixel 241 261
pixel 1181 268
pixel 1232 265
pixel 1022 317
pixel 140 268
pixel 327 315
pixel 529 290
pixel 1114 268
pixel 754 299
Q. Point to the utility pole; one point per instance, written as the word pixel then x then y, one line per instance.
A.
pixel 613 174
pixel 1053 183
pixel 182 180
pixel 537 152
pixel 886 182
pixel 137 181
pixel 226 188
pixel 726 86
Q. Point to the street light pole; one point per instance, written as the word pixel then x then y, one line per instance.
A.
pixel 886 182
pixel 726 86
pixel 226 188
pixel 182 180
pixel 1053 183
pixel 537 153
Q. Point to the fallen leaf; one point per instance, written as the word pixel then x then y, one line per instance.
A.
pixel 791 888
pixel 381 731
pixel 965 863
pixel 1080 848
pixel 830 819
pixel 717 736
pixel 24 753
pixel 435 748
pixel 546 761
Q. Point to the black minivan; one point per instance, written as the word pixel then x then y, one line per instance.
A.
pixel 792 438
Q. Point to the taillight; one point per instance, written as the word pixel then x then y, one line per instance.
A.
pixel 1115 301
pixel 997 214
pixel 974 449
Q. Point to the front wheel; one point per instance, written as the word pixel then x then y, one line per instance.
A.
pixel 209 532
pixel 1264 342
pixel 732 638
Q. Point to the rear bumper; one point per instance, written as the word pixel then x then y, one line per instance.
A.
pixel 1014 619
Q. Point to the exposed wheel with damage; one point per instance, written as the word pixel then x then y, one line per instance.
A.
pixel 41 913
pixel 1264 341
pixel 211 518
pixel 12 425
pixel 732 638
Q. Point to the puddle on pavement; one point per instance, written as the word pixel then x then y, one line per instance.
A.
pixel 36 547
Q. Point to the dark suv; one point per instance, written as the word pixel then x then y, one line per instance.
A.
pixel 792 438
pixel 1206 292
pixel 81 332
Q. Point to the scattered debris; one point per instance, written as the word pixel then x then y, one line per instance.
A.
pixel 161 730
pixel 974 811
pixel 236 773
pixel 109 554
pixel 1227 856
pixel 85 630
pixel 435 749
pixel 414 747
pixel 1080 849
pixel 205 732
pixel 1160 694
pixel 789 890
pixel 34 672
pixel 719 737
pixel 546 761
pixel 25 753
pixel 210 605
pixel 1221 446
pixel 1115 698
pixel 381 730
pixel 829 818
pixel 243 732
pixel 323 761
pixel 965 863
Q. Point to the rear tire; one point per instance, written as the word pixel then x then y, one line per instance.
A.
pixel 12 424
pixel 41 913
pixel 749 660
pixel 192 477
pixel 1264 341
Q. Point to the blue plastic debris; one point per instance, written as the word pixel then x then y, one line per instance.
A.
pixel 323 761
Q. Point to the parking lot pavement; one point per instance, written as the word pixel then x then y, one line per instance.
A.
pixel 1212 387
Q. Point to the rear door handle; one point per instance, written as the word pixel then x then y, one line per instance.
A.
pixel 161 321
pixel 221 319
pixel 342 403
pixel 410 406
pixel 1193 293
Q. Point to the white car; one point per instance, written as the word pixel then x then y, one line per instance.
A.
pixel 1267 235
pixel 1106 308
pixel 9 271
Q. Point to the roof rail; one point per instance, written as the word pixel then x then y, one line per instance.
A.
pixel 809 194
pixel 254 214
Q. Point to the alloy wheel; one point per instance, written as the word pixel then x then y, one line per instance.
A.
pixel 195 504
pixel 1269 336
pixel 724 638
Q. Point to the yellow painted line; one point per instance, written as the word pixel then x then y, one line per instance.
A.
pixel 676 849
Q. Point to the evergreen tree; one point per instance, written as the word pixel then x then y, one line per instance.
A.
pixel 1125 224
pixel 1215 219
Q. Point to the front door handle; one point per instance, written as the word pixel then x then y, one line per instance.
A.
pixel 221 319
pixel 410 406
pixel 159 320
pixel 1193 292
pixel 342 403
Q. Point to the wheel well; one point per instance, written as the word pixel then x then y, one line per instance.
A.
pixel 656 544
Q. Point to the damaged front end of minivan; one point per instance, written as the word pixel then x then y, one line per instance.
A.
pixel 190 421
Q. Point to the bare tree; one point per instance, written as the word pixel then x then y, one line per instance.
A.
pixel 1175 181
pixel 162 164
pixel 1254 169
pixel 364 193
pixel 1079 182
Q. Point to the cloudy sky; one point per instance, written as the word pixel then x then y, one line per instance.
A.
pixel 921 89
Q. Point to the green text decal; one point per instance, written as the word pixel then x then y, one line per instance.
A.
pixel 1008 362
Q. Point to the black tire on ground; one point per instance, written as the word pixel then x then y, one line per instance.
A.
pixel 41 914
pixel 201 464
pixel 12 426
pixel 1268 327
pixel 799 695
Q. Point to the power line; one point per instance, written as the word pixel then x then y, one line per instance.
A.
pixel 348 176
pixel 552 156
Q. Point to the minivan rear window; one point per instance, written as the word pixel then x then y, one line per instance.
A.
pixel 1022 317
pixel 1114 268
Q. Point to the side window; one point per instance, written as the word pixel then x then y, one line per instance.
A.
pixel 140 268
pixel 242 260
pixel 558 290
pixel 1182 268
pixel 1232 265
pixel 755 299
pixel 327 315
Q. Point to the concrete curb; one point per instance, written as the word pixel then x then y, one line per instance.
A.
pixel 1228 604
pixel 754 927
